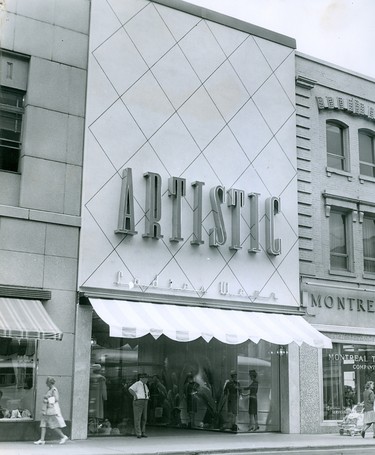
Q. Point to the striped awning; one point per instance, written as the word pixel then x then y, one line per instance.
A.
pixel 187 323
pixel 21 318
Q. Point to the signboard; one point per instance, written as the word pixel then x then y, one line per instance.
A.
pixel 190 180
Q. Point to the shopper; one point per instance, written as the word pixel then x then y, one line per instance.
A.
pixel 369 414
pixel 141 395
pixel 51 413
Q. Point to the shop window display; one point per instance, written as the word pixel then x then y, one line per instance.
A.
pixel 17 379
pixel 346 369
pixel 191 384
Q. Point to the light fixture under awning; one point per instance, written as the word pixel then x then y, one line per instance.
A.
pixel 21 318
pixel 187 323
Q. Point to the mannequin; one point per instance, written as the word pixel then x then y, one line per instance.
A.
pixel 98 393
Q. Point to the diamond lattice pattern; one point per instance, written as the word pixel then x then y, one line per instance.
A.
pixel 174 94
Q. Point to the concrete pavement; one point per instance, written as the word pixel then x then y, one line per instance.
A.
pixel 195 442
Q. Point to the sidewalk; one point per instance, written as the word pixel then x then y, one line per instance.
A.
pixel 182 442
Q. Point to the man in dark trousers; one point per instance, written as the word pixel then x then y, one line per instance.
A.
pixel 141 395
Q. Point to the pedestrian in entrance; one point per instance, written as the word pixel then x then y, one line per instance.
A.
pixel 369 414
pixel 51 414
pixel 141 395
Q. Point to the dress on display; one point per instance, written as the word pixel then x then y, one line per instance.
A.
pixel 98 394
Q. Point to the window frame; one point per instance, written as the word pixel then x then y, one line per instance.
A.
pixel 371 259
pixel 370 134
pixel 18 372
pixel 348 233
pixel 16 113
pixel 344 157
pixel 337 369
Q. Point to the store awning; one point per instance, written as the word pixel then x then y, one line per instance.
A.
pixel 187 323
pixel 20 318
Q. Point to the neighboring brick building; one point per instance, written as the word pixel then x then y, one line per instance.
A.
pixel 336 193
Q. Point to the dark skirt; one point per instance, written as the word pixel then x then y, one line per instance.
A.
pixel 253 405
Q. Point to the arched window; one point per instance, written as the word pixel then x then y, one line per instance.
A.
pixel 336 138
pixel 366 144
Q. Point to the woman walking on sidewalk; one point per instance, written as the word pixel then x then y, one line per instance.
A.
pixel 369 413
pixel 51 414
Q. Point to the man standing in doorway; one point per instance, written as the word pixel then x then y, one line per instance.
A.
pixel 141 395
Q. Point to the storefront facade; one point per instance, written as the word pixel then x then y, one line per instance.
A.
pixel 189 241
pixel 207 245
pixel 335 146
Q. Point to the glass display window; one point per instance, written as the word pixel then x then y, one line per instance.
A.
pixel 346 369
pixel 192 385
pixel 17 379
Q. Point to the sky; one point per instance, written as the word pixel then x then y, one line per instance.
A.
pixel 337 31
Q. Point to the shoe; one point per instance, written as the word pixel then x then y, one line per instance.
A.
pixel 139 437
pixel 63 440
pixel 251 429
pixel 256 428
pixel 144 435
pixel 362 434
pixel 40 442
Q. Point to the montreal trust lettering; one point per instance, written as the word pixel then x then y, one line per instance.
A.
pixel 218 195
pixel 343 303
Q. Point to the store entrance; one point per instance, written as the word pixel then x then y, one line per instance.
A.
pixel 209 386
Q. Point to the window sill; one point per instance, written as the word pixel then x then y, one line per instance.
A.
pixel 341 273
pixel 331 170
pixel 18 419
pixel 331 423
pixel 10 172
pixel 366 178
pixel 369 276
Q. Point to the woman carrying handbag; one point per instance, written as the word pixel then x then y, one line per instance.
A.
pixel 51 414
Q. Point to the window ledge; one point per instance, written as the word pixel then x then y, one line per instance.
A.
pixel 366 178
pixel 332 170
pixel 342 273
pixel 331 423
pixel 369 276
pixel 10 172
pixel 16 419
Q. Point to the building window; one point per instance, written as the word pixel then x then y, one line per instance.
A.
pixel 11 112
pixel 366 153
pixel 346 369
pixel 368 227
pixel 338 236
pixel 115 363
pixel 336 146
pixel 17 379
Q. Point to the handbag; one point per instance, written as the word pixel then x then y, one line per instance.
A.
pixel 51 410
